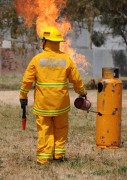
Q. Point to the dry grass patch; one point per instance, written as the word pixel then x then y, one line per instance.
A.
pixel 18 149
pixel 12 82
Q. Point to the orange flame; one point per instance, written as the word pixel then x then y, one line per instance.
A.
pixel 47 13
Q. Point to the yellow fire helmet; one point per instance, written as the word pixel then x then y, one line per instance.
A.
pixel 51 34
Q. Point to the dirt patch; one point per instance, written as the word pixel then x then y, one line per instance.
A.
pixel 12 97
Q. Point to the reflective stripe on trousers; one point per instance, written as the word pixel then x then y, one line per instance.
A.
pixel 52 136
pixel 51 112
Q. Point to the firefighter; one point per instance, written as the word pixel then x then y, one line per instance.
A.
pixel 51 70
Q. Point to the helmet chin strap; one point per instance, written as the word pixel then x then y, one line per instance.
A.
pixel 44 42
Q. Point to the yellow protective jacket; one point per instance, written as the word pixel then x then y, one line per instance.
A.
pixel 51 70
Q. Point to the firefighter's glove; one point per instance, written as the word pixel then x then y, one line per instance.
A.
pixel 23 102
pixel 84 95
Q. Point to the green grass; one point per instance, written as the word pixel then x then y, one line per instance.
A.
pixel 18 149
pixel 12 82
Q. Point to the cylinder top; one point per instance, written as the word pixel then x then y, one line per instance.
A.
pixel 109 73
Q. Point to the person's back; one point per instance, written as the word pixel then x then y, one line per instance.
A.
pixel 52 67
pixel 51 70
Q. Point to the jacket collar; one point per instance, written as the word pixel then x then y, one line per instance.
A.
pixel 52 46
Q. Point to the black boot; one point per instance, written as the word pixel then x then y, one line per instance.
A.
pixel 62 159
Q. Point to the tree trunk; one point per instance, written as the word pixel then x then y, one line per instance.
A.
pixel 91 33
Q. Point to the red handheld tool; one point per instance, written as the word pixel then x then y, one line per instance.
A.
pixel 24 118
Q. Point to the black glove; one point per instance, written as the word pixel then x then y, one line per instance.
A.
pixel 84 95
pixel 23 102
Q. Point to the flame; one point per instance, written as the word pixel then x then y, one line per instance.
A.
pixel 47 13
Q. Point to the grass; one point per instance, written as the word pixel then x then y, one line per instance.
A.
pixel 12 82
pixel 86 162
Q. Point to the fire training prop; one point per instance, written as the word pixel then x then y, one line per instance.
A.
pixel 24 118
pixel 84 104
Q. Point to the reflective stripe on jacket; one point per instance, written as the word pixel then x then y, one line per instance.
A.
pixel 51 70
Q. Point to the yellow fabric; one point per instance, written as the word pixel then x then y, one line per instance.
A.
pixel 51 70
pixel 52 135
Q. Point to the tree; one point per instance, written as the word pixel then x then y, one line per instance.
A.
pixel 9 20
pixel 110 13
pixel 114 16
pixel 82 11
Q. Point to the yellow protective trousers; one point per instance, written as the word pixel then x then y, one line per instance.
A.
pixel 52 136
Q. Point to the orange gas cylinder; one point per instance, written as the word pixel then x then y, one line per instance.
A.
pixel 109 104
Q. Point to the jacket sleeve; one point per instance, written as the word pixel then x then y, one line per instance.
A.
pixel 28 79
pixel 75 78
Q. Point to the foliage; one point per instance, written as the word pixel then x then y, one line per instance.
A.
pixel 114 15
pixel 111 13
pixel 78 10
pixel 81 11
pixel 9 20
pixel 98 38
pixel 120 60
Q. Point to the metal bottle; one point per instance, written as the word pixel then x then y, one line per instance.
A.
pixel 109 104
